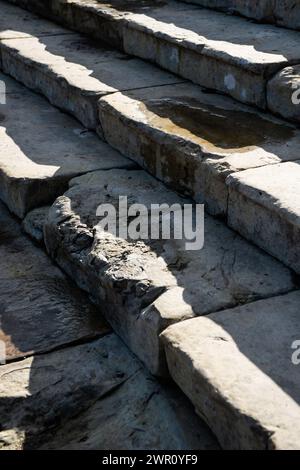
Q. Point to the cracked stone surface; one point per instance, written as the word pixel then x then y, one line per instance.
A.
pixel 236 367
pixel 218 51
pixel 192 140
pixel 90 397
pixel 264 207
pixel 40 308
pixel 144 286
pixel 38 156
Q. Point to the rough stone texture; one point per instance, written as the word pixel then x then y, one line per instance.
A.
pixel 91 397
pixel 41 149
pixel 282 12
pixel 193 140
pixel 144 286
pixel 283 93
pixel 264 206
pixel 73 72
pixel 218 51
pixel 33 223
pixel 236 367
pixel 40 309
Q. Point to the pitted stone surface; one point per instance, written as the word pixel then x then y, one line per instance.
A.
pixel 144 286
pixel 94 396
pixel 264 206
pixel 237 369
pixel 41 149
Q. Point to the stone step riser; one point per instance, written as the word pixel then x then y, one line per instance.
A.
pixel 283 13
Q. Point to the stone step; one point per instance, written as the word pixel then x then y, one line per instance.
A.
pixel 80 387
pixel 41 149
pixel 143 286
pixel 264 206
pixel 71 70
pixel 188 138
pixel 224 53
pixel 240 369
pixel 281 12
pixel 202 144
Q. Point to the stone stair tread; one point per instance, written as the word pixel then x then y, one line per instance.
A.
pixel 236 367
pixel 284 13
pixel 38 156
pixel 271 216
pixel 144 286
pixel 86 398
pixel 244 42
pixel 73 71
pixel 218 51
pixel 37 299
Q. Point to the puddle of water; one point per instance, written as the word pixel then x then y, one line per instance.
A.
pixel 214 127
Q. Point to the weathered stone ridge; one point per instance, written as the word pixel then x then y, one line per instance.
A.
pixel 144 286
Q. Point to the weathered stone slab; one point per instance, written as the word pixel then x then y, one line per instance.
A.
pixel 38 156
pixel 73 72
pixel 217 51
pixel 236 367
pixel 145 285
pixel 91 397
pixel 282 12
pixel 193 140
pixel 264 206
pixel 40 309
pixel 283 93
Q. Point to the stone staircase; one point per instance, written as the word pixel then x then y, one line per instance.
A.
pixel 220 321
